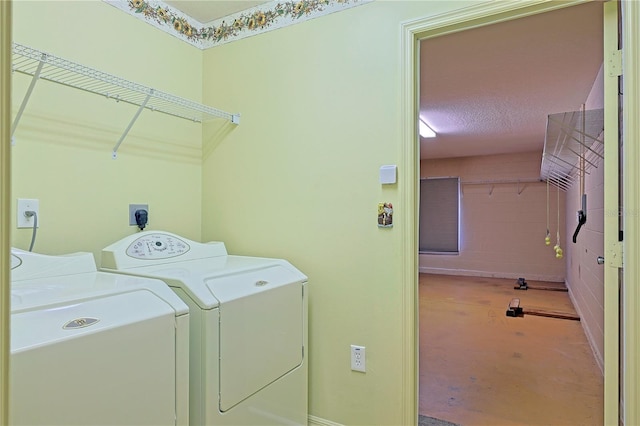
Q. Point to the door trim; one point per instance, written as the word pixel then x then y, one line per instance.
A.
pixel 611 292
pixel 5 204
pixel 411 33
pixel 631 217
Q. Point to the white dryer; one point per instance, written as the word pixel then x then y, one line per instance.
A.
pixel 93 348
pixel 248 322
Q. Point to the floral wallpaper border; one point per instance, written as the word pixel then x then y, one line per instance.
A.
pixel 256 20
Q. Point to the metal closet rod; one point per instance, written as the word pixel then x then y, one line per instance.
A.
pixel 504 181
pixel 500 181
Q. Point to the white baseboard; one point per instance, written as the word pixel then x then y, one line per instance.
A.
pixel 487 274
pixel 318 421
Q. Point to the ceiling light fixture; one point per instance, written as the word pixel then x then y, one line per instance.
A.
pixel 425 130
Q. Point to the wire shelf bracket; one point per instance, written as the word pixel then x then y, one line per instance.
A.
pixel 44 66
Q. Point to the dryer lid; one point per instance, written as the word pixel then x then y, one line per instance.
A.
pixel 240 284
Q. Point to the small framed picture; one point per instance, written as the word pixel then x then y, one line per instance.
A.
pixel 385 215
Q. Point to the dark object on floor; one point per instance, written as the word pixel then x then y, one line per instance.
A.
pixel 432 421
pixel 515 310
pixel 522 285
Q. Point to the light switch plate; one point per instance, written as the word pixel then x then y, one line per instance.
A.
pixel 388 174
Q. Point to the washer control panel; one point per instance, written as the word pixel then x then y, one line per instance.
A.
pixel 157 246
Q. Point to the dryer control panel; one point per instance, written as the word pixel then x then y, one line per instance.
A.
pixel 157 246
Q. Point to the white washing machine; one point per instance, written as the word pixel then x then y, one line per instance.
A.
pixel 93 348
pixel 248 322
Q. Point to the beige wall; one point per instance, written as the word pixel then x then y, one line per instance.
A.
pixel 64 141
pixel 585 278
pixel 501 231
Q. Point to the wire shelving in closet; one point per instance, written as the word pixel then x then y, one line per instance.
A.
pixel 573 146
pixel 44 66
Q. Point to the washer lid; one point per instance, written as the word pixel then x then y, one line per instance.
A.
pixel 106 361
pixel 62 321
pixel 39 280
pixel 27 265
pixel 46 292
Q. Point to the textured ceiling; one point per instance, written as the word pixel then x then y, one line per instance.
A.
pixel 489 90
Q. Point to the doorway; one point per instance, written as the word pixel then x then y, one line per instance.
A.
pixel 491 185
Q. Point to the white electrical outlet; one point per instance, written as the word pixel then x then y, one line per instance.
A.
pixel 358 358
pixel 132 212
pixel 26 205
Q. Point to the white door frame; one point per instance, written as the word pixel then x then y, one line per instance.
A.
pixel 482 14
pixel 612 246
pixel 5 204
pixel 631 216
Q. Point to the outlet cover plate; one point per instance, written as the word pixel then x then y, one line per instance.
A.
pixel 132 212
pixel 358 358
pixel 27 204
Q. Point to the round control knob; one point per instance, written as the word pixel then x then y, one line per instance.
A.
pixel 159 245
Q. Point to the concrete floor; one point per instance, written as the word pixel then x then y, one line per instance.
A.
pixel 480 367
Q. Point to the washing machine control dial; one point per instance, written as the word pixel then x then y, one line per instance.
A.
pixel 157 246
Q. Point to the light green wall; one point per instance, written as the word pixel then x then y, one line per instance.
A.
pixel 64 141
pixel 321 112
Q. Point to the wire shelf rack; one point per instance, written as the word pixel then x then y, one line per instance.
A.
pixel 44 66
pixel 571 136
